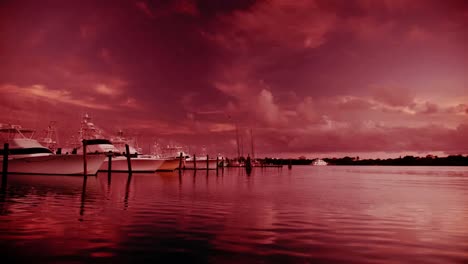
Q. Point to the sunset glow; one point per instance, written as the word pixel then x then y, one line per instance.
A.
pixel 315 78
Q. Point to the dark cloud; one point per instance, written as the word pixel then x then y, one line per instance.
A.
pixel 378 73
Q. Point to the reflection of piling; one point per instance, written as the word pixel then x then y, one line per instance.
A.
pixel 127 191
pixel 129 162
pixel 129 179
pixel 83 198
pixel 207 163
pixel 85 161
pixel 194 162
pixel 6 149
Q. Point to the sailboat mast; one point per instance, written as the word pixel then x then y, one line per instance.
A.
pixel 252 144
pixel 237 142
pixel 242 145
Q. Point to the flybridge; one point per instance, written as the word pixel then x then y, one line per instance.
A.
pixel 8 132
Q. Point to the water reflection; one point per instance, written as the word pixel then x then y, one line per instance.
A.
pixel 3 204
pixel 307 214
pixel 127 190
pixel 83 198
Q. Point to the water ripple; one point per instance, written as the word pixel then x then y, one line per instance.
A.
pixel 331 214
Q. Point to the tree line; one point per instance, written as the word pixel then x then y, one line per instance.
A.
pixel 452 160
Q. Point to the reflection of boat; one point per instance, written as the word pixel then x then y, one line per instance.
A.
pixel 319 162
pixel 96 144
pixel 28 156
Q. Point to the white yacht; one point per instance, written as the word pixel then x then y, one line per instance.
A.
pixel 171 156
pixel 200 163
pixel 169 164
pixel 96 144
pixel 28 156
pixel 319 162
pixel 49 139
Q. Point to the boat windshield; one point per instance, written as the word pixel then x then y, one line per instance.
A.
pixel 25 151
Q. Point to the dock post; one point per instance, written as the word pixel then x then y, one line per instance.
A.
pixel 194 161
pixel 248 165
pixel 180 162
pixel 207 162
pixel 290 164
pixel 109 165
pixel 85 161
pixel 6 150
pixel 129 162
pixel 217 164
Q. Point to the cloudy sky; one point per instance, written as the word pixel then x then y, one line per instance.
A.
pixel 316 78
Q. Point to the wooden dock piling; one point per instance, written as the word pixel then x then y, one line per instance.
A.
pixel 109 165
pixel 194 162
pixel 129 162
pixel 248 165
pixel 180 161
pixel 6 150
pixel 217 164
pixel 85 161
pixel 207 162
pixel 290 164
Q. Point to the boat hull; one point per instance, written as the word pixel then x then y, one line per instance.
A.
pixel 55 164
pixel 119 164
pixel 200 164
pixel 169 165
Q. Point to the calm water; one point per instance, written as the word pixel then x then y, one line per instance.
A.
pixel 306 215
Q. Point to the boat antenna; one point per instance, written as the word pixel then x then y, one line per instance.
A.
pixel 237 142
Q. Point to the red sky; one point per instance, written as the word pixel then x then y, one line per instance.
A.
pixel 319 78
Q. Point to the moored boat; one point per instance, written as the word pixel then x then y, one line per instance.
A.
pixel 319 162
pixel 201 163
pixel 97 144
pixel 138 163
pixel 171 156
pixel 28 156
pixel 169 164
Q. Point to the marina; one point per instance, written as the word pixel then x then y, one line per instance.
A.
pixel 221 131
pixel 93 152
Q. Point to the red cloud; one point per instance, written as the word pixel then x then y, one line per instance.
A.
pixel 193 71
